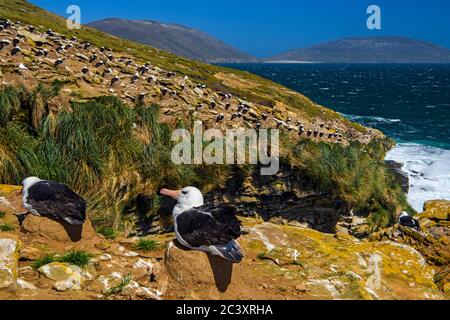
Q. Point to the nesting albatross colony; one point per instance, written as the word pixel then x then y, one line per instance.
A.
pixel 93 113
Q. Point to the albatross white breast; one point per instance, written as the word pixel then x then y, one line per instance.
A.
pixel 211 229
pixel 53 200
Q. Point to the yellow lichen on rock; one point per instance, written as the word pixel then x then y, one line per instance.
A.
pixel 436 210
pixel 8 189
pixel 326 266
pixel 281 262
pixel 65 276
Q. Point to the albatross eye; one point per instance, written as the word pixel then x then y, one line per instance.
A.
pixel 184 192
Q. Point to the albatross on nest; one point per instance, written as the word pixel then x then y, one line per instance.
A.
pixel 203 227
pixel 53 200
pixel 406 220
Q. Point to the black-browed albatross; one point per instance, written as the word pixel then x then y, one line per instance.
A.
pixel 53 200
pixel 203 227
pixel 406 220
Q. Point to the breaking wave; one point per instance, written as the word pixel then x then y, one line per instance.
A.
pixel 428 169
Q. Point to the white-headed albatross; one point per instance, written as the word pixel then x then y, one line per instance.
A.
pixel 203 227
pixel 53 200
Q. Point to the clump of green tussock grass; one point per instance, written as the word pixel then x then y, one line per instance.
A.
pixel 17 153
pixel 146 245
pixel 10 102
pixel 37 105
pixel 7 227
pixel 2 214
pixel 77 258
pixel 47 259
pixel 352 175
pixel 118 289
pixel 107 232
pixel 111 154
pixel 56 87
pixel 104 150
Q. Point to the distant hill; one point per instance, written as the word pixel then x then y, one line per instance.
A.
pixel 180 40
pixel 369 50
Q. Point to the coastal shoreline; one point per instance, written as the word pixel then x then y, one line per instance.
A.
pixel 425 166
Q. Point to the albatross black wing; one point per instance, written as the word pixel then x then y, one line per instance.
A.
pixel 410 222
pixel 57 201
pixel 208 225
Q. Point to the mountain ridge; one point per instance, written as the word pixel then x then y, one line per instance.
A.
pixel 376 49
pixel 179 39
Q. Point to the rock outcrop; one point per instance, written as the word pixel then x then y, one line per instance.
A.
pixel 9 257
pixel 401 177
pixel 284 262
pixel 58 234
pixel 281 262
pixel 284 198
pixel 432 241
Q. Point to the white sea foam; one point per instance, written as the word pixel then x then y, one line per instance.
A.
pixel 372 119
pixel 428 169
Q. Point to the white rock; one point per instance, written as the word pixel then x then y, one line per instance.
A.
pixel 134 289
pixel 8 262
pixel 130 254
pixel 105 283
pixel 148 293
pixel 25 285
pixel 104 257
pixel 66 277
pixel 5 201
pixel 144 264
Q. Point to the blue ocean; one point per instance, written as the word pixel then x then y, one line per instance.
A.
pixel 408 102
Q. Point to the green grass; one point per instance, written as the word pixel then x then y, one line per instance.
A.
pixel 146 245
pixel 2 214
pixel 77 258
pixel 107 232
pixel 74 257
pixel 43 261
pixel 261 256
pixel 352 175
pixel 7 227
pixel 95 150
pixel 118 289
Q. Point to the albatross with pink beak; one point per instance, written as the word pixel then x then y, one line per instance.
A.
pixel 203 227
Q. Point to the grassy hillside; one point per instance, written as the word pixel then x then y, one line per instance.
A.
pixel 266 92
pixel 113 153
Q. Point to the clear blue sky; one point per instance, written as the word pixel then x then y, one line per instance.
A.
pixel 267 27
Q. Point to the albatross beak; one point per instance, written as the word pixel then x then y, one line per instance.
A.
pixel 171 193
pixel 19 192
